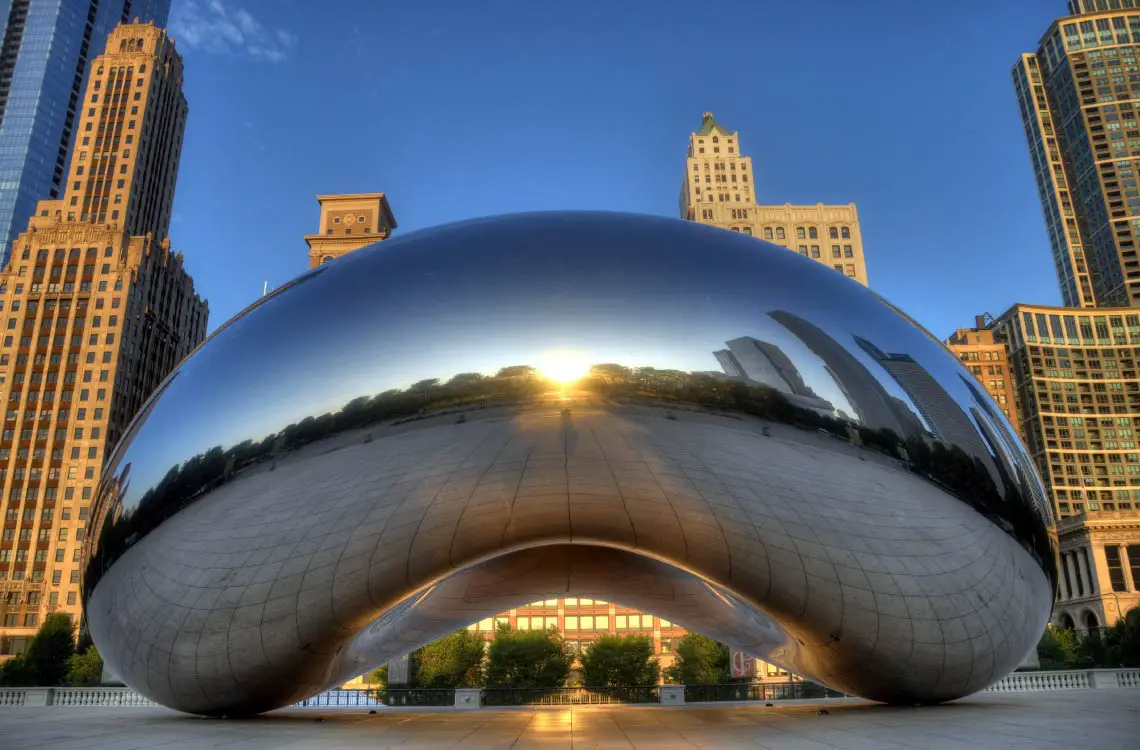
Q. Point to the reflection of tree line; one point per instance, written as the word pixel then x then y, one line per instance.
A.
pixel 963 475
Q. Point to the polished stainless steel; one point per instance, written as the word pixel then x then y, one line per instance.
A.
pixel 664 414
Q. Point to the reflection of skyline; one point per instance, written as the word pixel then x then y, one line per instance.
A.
pixel 759 362
pixel 1006 444
pixel 873 405
pixel 946 420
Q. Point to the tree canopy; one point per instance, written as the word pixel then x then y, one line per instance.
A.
pixel 85 669
pixel 527 659
pixel 620 661
pixel 1113 647
pixel 699 661
pixel 47 660
pixel 454 661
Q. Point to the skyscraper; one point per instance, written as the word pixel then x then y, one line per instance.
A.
pixel 1077 95
pixel 719 188
pixel 43 69
pixel 97 310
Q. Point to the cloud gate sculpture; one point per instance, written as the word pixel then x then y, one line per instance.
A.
pixel 468 418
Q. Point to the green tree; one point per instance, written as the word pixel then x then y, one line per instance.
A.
pixel 46 661
pixel 1057 648
pixel 617 661
pixel 527 659
pixel 453 661
pixel 85 669
pixel 700 661
pixel 15 673
pixel 377 678
pixel 1126 639
pixel 1093 651
pixel 50 651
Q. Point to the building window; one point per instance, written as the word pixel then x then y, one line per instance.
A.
pixel 767 233
pixel 779 233
pixel 801 233
pixel 1115 567
pixel 848 252
pixel 833 233
pixel 835 251
pixel 846 232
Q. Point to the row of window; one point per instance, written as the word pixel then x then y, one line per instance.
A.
pixel 847 252
pixel 47 515
pixel 803 233
pixel 988 356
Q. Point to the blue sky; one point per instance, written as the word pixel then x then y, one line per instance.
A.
pixel 458 109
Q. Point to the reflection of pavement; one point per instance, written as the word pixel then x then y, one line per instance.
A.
pixel 1062 720
pixel 887 583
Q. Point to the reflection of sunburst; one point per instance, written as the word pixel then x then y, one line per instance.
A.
pixel 563 367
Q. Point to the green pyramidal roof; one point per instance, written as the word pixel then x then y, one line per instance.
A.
pixel 709 124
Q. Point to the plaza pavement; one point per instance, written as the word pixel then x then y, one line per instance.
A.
pixel 1060 719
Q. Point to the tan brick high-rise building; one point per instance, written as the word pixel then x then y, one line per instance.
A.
pixel 349 222
pixel 984 354
pixel 96 310
pixel 1075 375
pixel 720 189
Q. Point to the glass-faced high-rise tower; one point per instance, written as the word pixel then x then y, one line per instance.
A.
pixel 43 63
pixel 1079 97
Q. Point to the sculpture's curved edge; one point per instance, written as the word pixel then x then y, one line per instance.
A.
pixel 877 366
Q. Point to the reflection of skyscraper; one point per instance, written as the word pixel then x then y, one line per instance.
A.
pixel 873 405
pixel 947 421
pixel 764 363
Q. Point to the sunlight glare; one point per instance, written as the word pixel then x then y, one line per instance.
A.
pixel 563 367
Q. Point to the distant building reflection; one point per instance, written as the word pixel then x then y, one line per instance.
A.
pixel 873 405
pixel 947 421
pixel 759 362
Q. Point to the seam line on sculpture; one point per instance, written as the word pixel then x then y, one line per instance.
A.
pixel 467 504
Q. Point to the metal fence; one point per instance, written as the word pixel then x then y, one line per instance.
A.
pixel 569 696
pixel 383 697
pixel 757 692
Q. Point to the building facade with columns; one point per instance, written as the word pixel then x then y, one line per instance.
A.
pixel 1100 568
pixel 719 188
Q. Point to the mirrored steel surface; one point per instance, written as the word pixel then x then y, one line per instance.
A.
pixel 464 419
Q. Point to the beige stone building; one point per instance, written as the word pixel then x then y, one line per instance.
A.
pixel 349 222
pixel 1100 568
pixel 97 309
pixel 984 354
pixel 720 189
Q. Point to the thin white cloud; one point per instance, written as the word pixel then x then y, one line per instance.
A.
pixel 212 26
